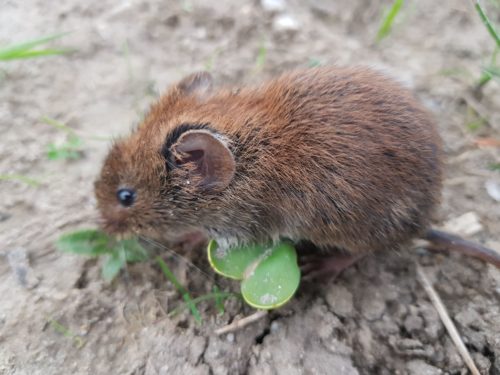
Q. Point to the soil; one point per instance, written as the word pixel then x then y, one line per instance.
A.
pixel 374 319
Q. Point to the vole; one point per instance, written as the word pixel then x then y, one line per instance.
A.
pixel 343 158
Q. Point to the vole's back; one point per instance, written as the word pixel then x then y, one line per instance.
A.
pixel 341 157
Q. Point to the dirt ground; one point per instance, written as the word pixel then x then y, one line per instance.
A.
pixel 374 319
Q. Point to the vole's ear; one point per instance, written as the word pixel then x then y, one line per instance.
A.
pixel 198 84
pixel 210 163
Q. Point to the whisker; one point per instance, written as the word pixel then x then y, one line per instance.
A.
pixel 178 256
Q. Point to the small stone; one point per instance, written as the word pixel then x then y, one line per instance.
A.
pixel 419 367
pixel 483 364
pixel 273 5
pixel 275 326
pixel 493 189
pixel 285 23
pixel 19 263
pixel 413 323
pixel 339 299
pixel 467 224
pixel 372 305
pixel 4 216
pixel 469 317
pixel 230 337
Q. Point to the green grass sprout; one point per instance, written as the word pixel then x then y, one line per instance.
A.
pixel 474 120
pixel 387 22
pixel 17 177
pixel 181 289
pixel 492 70
pixel 118 253
pixel 494 167
pixel 313 62
pixel 69 150
pixel 58 327
pixel 94 243
pixel 219 302
pixel 27 50
pixel 70 131
pixel 260 60
pixel 210 63
pixel 58 125
pixel 486 21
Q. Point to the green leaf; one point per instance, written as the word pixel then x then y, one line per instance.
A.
pixel 270 274
pixel 134 252
pixel 71 149
pixel 112 266
pixel 232 263
pixel 89 242
pixel 274 279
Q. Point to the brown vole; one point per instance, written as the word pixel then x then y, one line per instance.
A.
pixel 343 158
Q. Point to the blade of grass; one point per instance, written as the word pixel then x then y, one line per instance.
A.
pixel 56 124
pixel 386 26
pixel 59 125
pixel 58 327
pixel 24 50
pixel 33 54
pixel 17 177
pixel 219 302
pixel 486 22
pixel 182 290
pixel 221 296
pixel 261 57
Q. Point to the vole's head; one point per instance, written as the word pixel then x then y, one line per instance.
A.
pixel 167 174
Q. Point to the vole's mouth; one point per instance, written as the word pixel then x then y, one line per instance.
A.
pixel 118 228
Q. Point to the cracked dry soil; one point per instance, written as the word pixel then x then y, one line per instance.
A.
pixel 374 319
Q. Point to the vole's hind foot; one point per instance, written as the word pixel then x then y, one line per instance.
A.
pixel 326 266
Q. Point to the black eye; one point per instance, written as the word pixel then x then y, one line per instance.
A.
pixel 126 197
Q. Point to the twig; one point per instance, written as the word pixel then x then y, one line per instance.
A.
pixel 238 324
pixel 445 318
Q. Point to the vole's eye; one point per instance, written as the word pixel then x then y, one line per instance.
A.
pixel 126 197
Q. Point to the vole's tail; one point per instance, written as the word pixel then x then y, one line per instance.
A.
pixel 443 241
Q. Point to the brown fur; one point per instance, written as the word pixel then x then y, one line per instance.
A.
pixel 336 156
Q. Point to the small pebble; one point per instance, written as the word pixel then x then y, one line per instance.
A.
pixel 493 189
pixel 419 367
pixel 284 23
pixel 273 5
pixel 275 326
pixel 467 224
